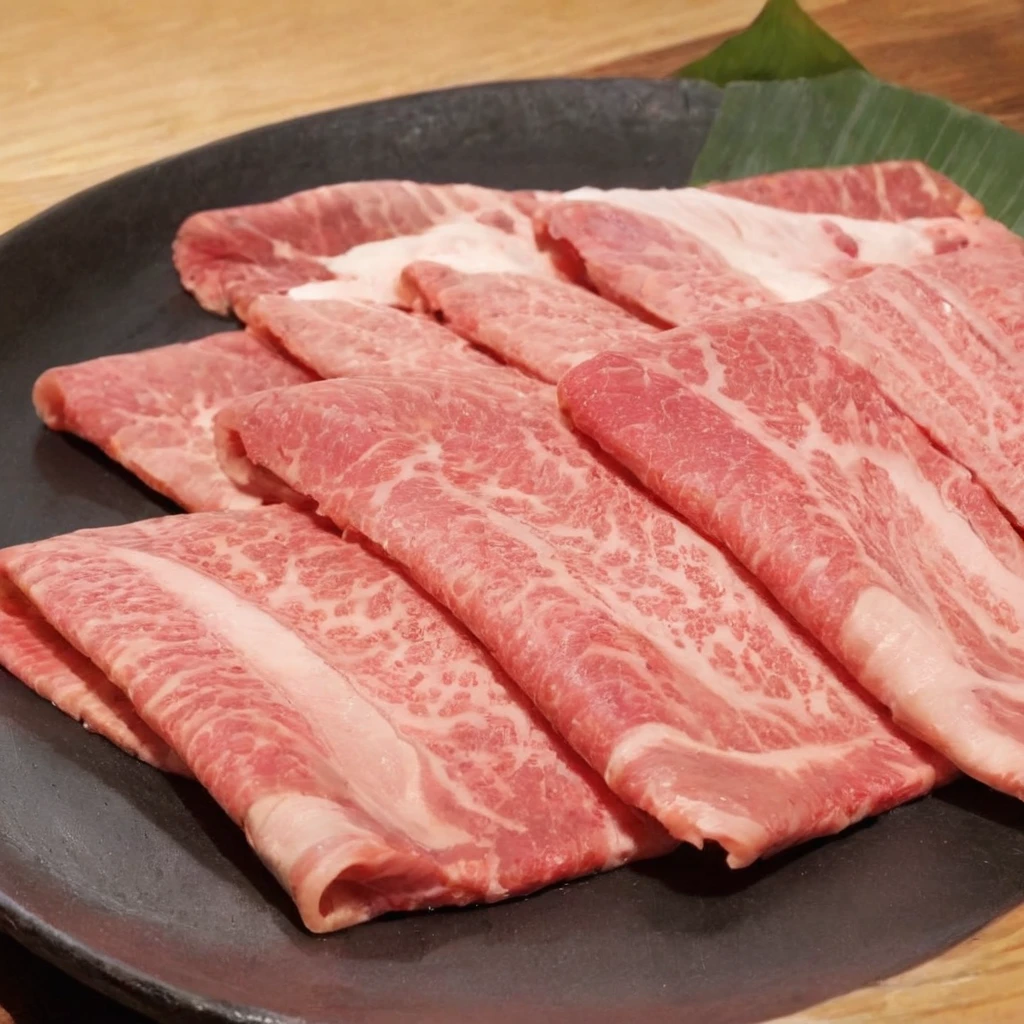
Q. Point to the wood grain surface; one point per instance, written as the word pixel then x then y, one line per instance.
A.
pixel 89 88
pixel 93 87
pixel 969 51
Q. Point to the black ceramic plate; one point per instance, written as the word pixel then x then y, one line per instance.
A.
pixel 138 885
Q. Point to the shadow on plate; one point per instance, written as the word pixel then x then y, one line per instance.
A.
pixel 72 467
pixel 229 841
pixel 990 804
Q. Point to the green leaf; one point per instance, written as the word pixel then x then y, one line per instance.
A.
pixel 782 42
pixel 850 118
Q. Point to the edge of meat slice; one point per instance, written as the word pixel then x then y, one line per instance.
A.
pixel 152 411
pixel 339 338
pixel 33 651
pixel 887 190
pixel 228 257
pixel 543 326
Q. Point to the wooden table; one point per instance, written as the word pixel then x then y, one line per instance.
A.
pixel 92 87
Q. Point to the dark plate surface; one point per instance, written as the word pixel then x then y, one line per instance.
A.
pixel 137 884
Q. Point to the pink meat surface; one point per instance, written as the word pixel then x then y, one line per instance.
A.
pixel 543 326
pixel 32 650
pixel 374 755
pixel 335 338
pixel 926 335
pixel 993 285
pixel 228 257
pixel 658 659
pixel 669 256
pixel 152 411
pixel 892 190
pixel 880 545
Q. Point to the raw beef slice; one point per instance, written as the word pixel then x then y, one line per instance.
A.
pixel 880 545
pixel 375 757
pixel 655 657
pixel 890 190
pixel 32 650
pixel 543 326
pixel 229 257
pixel 931 337
pixel 335 338
pixel 671 255
pixel 152 411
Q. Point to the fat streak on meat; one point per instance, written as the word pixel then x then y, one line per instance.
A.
pixel 890 190
pixel 228 257
pixel 880 545
pixel 152 411
pixel 374 755
pixel 546 327
pixel 647 648
pixel 670 255
pixel 926 336
pixel 372 272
